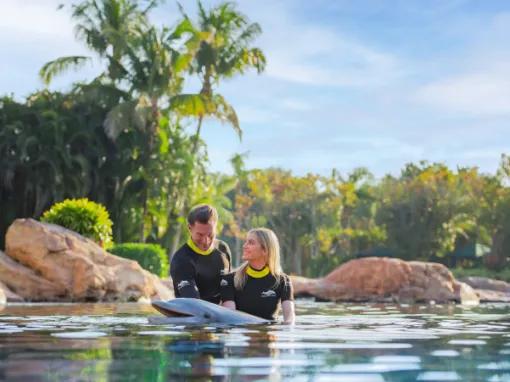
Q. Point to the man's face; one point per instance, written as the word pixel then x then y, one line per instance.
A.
pixel 203 234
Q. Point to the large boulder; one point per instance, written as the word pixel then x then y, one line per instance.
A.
pixel 489 290
pixel 24 281
pixel 46 262
pixel 387 280
pixel 10 296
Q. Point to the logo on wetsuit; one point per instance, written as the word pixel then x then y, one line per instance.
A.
pixel 268 293
pixel 224 282
pixel 182 284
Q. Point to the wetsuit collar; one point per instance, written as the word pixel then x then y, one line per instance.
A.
pixel 258 274
pixel 194 248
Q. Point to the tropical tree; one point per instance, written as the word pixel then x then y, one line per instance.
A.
pixel 50 150
pixel 426 210
pixel 495 214
pixel 107 28
pixel 144 68
pixel 225 51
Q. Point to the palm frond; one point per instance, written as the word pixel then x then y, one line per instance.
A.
pixel 226 113
pixel 60 65
pixel 190 105
pixel 119 118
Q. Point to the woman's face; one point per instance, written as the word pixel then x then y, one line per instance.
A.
pixel 252 250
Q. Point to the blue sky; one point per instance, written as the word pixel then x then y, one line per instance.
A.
pixel 348 83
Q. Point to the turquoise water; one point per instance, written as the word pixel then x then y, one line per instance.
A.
pixel 330 342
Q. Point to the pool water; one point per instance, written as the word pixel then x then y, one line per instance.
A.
pixel 330 342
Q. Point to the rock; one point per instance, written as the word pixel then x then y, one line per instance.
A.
pixel 25 282
pixel 487 284
pixel 385 280
pixel 487 295
pixel 64 266
pixel 489 290
pixel 9 294
pixel 3 298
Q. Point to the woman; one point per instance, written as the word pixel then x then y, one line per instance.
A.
pixel 259 284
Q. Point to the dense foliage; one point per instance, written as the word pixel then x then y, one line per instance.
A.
pixel 123 140
pixel 427 213
pixel 151 257
pixel 83 216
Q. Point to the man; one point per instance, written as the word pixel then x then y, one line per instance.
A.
pixel 197 266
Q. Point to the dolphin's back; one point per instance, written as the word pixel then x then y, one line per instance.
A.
pixel 206 311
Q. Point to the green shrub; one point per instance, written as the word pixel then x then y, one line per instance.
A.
pixel 88 218
pixel 151 257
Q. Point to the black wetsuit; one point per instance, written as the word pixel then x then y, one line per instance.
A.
pixel 259 297
pixel 198 276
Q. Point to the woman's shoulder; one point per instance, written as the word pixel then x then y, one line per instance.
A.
pixel 285 281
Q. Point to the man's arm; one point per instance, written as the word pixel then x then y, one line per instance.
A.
pixel 227 292
pixel 183 277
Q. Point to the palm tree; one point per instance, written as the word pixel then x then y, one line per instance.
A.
pixel 143 69
pixel 106 27
pixel 224 52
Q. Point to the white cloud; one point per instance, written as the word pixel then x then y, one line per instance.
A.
pixel 296 104
pixel 310 54
pixel 26 20
pixel 477 83
pixel 479 94
pixel 322 58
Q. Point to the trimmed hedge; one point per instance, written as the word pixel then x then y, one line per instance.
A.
pixel 88 218
pixel 151 257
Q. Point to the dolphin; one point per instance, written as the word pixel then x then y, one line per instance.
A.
pixel 195 311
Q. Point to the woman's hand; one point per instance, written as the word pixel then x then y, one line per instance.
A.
pixel 229 304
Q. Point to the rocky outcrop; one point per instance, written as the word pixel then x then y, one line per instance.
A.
pixel 489 290
pixel 46 262
pixel 10 296
pixel 387 280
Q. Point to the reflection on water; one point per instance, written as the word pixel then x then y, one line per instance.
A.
pixel 330 342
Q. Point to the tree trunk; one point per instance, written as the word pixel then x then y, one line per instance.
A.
pixel 297 257
pixel 237 253
pixel 176 242
pixel 197 135
pixel 144 214
pixel 496 259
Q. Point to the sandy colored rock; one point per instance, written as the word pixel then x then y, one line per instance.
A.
pixel 9 294
pixel 489 290
pixel 387 279
pixel 73 268
pixel 487 284
pixel 25 282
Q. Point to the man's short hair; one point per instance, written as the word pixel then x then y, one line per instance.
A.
pixel 203 213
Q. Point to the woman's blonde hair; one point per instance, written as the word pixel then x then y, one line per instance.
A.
pixel 269 242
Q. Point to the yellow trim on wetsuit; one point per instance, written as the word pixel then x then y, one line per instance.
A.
pixel 194 248
pixel 257 274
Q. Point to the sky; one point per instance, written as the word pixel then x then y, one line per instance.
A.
pixel 366 83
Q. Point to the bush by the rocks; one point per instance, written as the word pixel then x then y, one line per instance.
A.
pixel 88 218
pixel 151 257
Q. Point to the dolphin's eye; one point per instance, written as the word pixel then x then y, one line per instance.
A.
pixel 207 315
